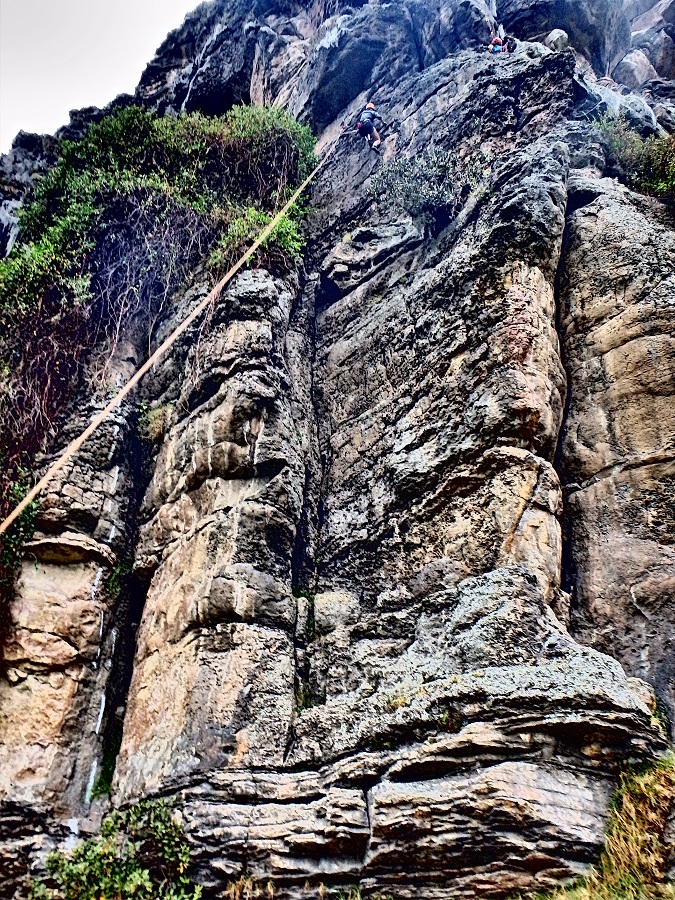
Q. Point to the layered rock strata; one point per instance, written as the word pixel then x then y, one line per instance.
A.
pixel 404 551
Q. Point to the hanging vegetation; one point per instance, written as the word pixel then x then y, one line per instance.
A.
pixel 109 234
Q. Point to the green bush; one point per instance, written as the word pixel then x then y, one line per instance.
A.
pixel 110 233
pixel 250 129
pixel 252 155
pixel 432 185
pixel 648 163
pixel 279 250
pixel 141 854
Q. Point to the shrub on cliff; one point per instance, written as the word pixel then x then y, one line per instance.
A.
pixel 283 245
pixel 140 854
pixel 431 186
pixel 109 234
pixel 648 163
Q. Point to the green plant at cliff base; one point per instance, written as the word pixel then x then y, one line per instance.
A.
pixel 649 163
pixel 634 862
pixel 141 854
pixel 110 233
pixel 350 893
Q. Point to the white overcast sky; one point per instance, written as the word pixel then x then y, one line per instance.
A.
pixel 58 55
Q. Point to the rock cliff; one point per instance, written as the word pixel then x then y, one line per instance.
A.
pixel 404 553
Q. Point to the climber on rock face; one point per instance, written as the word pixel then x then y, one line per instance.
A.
pixel 366 126
pixel 501 43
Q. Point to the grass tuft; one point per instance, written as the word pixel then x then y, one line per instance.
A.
pixel 635 860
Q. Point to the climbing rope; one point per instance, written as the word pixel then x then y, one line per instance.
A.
pixel 213 297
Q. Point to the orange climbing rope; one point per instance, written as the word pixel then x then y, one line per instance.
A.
pixel 75 445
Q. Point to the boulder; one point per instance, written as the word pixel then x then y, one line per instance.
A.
pixel 634 70
pixel 604 96
pixel 597 28
pixel 658 45
pixel 557 40
pixel 665 115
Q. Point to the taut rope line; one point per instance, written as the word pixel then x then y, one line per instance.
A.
pixel 75 445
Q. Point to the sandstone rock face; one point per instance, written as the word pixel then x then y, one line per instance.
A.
pixel 62 680
pixel 618 442
pixel 314 60
pixel 403 552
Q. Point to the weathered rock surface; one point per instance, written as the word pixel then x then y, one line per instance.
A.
pixel 597 28
pixel 616 316
pixel 634 70
pixel 652 33
pixel 403 561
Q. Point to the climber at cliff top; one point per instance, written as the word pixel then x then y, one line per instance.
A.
pixel 366 126
pixel 502 45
